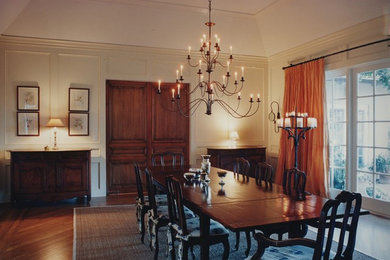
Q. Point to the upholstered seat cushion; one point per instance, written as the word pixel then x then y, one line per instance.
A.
pixel 163 210
pixel 193 228
pixel 161 199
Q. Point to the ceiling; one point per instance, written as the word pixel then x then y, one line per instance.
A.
pixel 252 27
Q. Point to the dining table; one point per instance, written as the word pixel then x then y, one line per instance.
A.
pixel 238 204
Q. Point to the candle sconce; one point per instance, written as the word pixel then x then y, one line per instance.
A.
pixel 272 117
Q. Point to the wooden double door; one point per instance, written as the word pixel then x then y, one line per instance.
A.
pixel 141 122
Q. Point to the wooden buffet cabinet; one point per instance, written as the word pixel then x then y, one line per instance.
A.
pixel 50 175
pixel 224 157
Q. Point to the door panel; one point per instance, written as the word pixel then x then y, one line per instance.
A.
pixel 137 126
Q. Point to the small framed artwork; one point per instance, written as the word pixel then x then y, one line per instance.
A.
pixel 28 123
pixel 78 124
pixel 28 98
pixel 79 99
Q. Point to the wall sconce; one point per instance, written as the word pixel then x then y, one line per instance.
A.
pixel 272 117
pixel 55 122
pixel 233 139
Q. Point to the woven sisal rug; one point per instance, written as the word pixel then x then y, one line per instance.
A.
pixel 112 233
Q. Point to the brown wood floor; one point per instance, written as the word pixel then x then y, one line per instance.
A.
pixel 44 230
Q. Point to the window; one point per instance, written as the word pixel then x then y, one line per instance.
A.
pixel 337 118
pixel 373 131
pixel 358 107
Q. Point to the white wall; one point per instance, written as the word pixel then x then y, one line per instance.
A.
pixel 55 66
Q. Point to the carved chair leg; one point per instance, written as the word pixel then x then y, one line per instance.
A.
pixel 156 245
pixel 248 242
pixel 150 234
pixel 259 252
pixel 185 251
pixel 237 239
pixel 142 227
pixel 226 249
pixel 173 253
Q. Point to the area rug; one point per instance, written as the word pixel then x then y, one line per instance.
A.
pixel 112 233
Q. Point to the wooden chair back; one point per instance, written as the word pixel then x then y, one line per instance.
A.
pixel 168 159
pixel 264 172
pixel 151 191
pixel 347 205
pixel 175 203
pixel 241 167
pixel 294 183
pixel 138 181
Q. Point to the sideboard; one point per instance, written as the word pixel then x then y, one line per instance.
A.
pixel 50 175
pixel 224 157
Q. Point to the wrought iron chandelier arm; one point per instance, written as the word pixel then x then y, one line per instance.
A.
pixel 192 106
pixel 233 112
pixel 190 64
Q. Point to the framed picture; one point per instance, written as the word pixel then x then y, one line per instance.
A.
pixel 79 99
pixel 28 123
pixel 78 124
pixel 28 98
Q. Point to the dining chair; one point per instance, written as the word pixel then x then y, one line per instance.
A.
pixel 294 182
pixel 158 215
pixel 142 202
pixel 186 230
pixel 264 172
pixel 341 214
pixel 241 167
pixel 168 159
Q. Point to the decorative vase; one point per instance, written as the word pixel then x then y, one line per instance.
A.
pixel 206 165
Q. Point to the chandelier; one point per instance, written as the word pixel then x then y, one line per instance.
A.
pixel 212 91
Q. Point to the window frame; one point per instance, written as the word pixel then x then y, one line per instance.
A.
pixel 351 167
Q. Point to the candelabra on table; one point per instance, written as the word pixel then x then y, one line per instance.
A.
pixel 294 125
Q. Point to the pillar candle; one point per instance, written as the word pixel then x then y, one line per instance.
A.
pixel 299 122
pixel 287 122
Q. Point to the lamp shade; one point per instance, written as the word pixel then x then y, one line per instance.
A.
pixel 234 135
pixel 55 122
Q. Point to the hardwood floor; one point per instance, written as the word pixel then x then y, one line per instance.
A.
pixel 44 230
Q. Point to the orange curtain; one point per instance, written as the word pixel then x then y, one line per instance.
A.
pixel 305 92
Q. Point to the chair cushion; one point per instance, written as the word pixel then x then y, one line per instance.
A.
pixel 161 199
pixel 216 229
pixel 163 210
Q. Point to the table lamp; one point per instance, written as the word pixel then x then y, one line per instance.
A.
pixel 233 139
pixel 55 122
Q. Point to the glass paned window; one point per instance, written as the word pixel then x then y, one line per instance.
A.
pixel 365 184
pixel 382 81
pixel 382 187
pixel 382 108
pixel 358 103
pixel 365 159
pixel 340 87
pixel 337 117
pixel 382 134
pixel 364 134
pixel 365 109
pixel 365 83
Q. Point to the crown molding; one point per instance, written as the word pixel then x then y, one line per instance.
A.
pixel 110 47
pixel 355 35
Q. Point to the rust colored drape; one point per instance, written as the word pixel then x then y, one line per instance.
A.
pixel 305 92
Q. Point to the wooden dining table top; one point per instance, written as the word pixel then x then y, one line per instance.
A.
pixel 241 203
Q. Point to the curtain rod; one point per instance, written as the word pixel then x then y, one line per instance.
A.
pixel 338 52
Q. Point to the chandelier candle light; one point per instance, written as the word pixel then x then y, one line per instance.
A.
pixel 211 90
